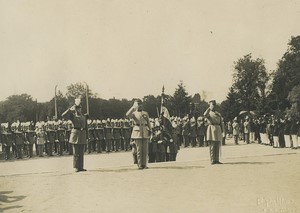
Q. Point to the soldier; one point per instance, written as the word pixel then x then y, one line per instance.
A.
pixel 215 131
pixel 91 136
pixel 117 135
pixel 252 131
pixel 185 132
pixel 30 138
pixel 172 150
pixel 193 132
pixel 122 141
pixel 19 139
pixel 287 131
pixel 99 135
pixel 78 135
pixel 152 146
pixel 68 127
pixel 41 138
pixel 51 137
pixel 200 131
pixel 276 132
pixel 178 132
pixel 108 135
pixel 235 130
pixel 246 130
pixel 126 132
pixel 61 137
pixel 7 140
pixel 269 131
pixel 294 131
pixel 141 132
pixel 229 129
pixel 263 130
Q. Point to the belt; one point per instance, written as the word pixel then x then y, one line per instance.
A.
pixel 140 124
pixel 77 128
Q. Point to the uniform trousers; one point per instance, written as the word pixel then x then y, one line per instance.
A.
pixel 276 141
pixel 214 150
pixel 287 140
pixel 6 152
pixel 78 150
pixel 117 144
pixel 29 149
pixel 142 151
pixel 39 150
pixel 186 140
pixel 19 151
pixel 126 143
pixel 49 149
pixel 252 137
pixel 247 139
pixel 295 141
pixel 236 139
pixel 200 139
pixel 99 146
pixel 108 145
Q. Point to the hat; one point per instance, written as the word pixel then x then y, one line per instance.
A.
pixel 213 102
pixel 78 102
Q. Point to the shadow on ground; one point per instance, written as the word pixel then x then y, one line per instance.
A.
pixel 5 198
pixel 150 168
pixel 251 163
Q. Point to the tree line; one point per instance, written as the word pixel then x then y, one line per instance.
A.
pixel 253 89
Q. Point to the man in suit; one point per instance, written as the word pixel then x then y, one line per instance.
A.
pixel 141 132
pixel 215 131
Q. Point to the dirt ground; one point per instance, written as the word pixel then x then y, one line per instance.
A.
pixel 253 178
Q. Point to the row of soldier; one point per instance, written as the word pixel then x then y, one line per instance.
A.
pixel 53 137
pixel 268 130
pixel 103 135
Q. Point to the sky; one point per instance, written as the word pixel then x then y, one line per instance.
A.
pixel 129 48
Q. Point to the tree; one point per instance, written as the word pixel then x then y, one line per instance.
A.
pixel 287 75
pixel 231 107
pixel 152 105
pixel 250 82
pixel 181 100
pixel 18 107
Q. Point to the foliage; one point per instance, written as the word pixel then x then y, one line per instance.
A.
pixel 181 101
pixel 18 107
pixel 287 76
pixel 249 82
pixel 231 107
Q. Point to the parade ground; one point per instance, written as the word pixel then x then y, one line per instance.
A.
pixel 252 178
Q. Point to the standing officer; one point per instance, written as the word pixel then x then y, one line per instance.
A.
pixel 78 134
pixel 140 132
pixel 215 131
